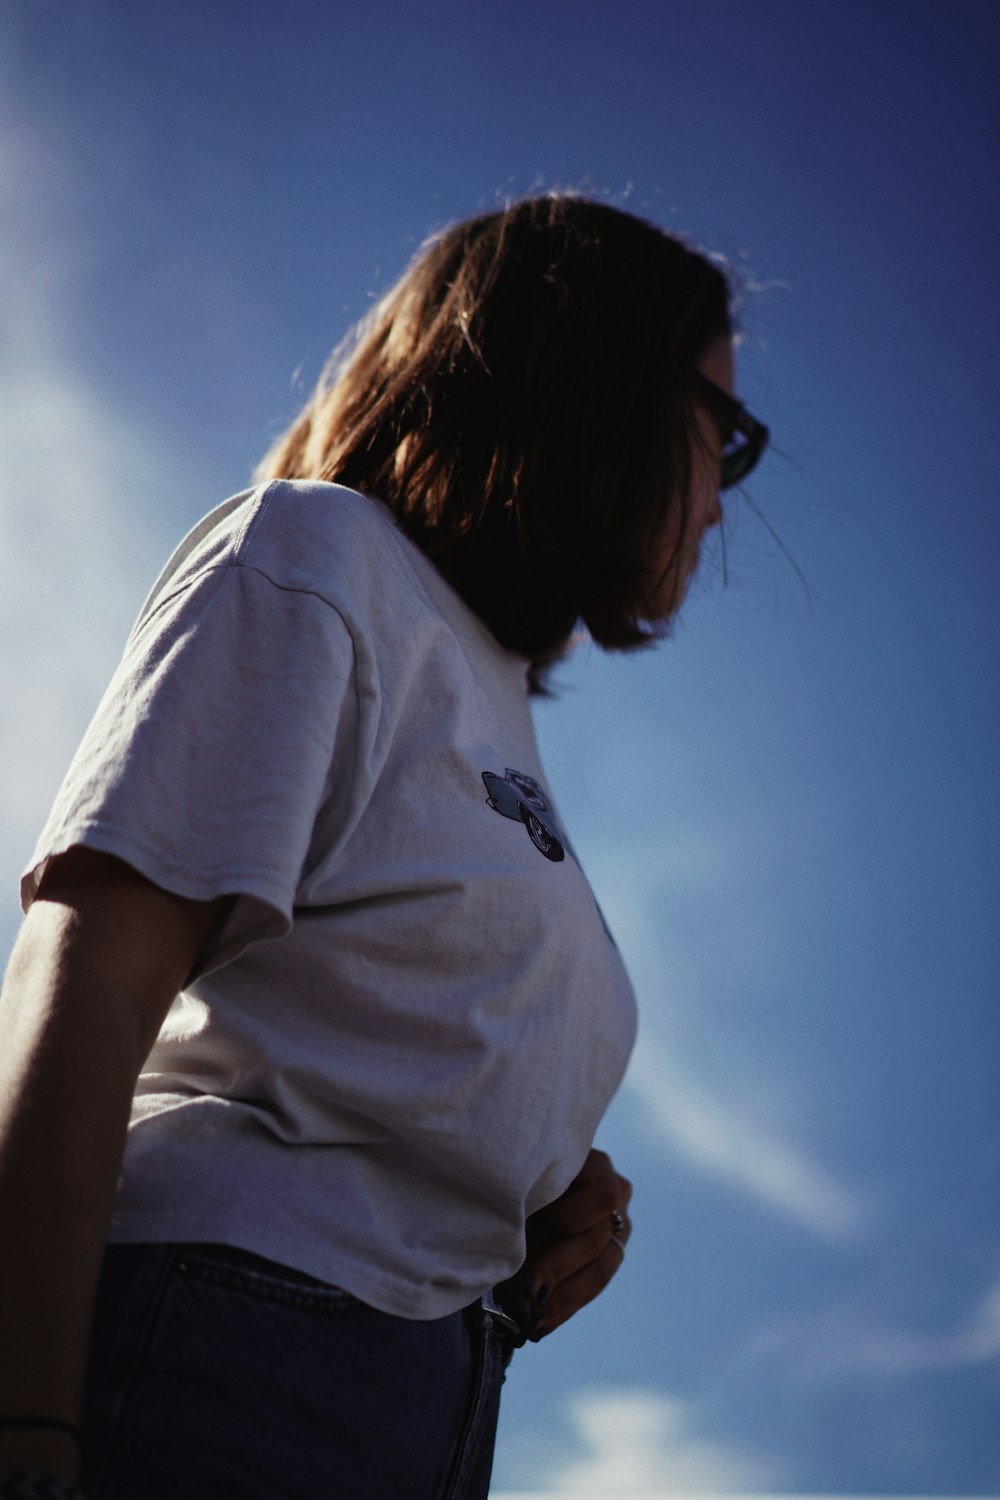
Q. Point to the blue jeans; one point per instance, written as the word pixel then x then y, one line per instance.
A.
pixel 217 1375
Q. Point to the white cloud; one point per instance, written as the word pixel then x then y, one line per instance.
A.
pixel 79 487
pixel 845 1340
pixel 738 1150
pixel 641 1442
pixel 734 1143
pixel 71 576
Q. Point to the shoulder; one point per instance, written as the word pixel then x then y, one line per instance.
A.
pixel 337 546
pixel 310 535
pixel 306 536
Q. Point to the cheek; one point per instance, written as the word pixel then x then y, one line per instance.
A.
pixel 671 567
pixel 705 508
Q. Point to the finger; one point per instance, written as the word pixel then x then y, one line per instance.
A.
pixel 558 1263
pixel 576 1290
pixel 597 1171
pixel 552 1256
pixel 621 1215
pixel 586 1202
pixel 564 1256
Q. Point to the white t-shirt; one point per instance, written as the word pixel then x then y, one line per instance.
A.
pixel 405 1036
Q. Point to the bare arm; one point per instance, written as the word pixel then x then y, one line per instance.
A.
pixel 99 960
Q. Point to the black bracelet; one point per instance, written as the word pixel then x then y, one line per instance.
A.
pixel 38 1487
pixel 53 1424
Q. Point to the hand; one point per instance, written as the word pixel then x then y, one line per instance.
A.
pixel 575 1245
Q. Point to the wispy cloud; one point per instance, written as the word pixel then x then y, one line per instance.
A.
pixel 725 1140
pixel 845 1339
pixel 737 1150
pixel 642 1442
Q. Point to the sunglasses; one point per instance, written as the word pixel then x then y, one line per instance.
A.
pixel 743 437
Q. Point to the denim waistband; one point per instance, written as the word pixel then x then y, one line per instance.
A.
pixel 509 1305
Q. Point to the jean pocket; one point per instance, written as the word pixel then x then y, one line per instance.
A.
pixel 266 1280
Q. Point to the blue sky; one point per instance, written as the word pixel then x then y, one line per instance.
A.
pixel 789 809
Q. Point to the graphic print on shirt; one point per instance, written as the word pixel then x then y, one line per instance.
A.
pixel 519 796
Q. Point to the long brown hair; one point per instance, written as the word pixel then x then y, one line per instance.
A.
pixel 522 400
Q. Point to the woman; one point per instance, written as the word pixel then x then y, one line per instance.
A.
pixel 304 921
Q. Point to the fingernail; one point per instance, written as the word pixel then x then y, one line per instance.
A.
pixel 540 1296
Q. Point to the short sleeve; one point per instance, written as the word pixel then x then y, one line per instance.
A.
pixel 228 724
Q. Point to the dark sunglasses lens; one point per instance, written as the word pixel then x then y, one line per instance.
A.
pixel 738 458
pixel 743 437
pixel 741 453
